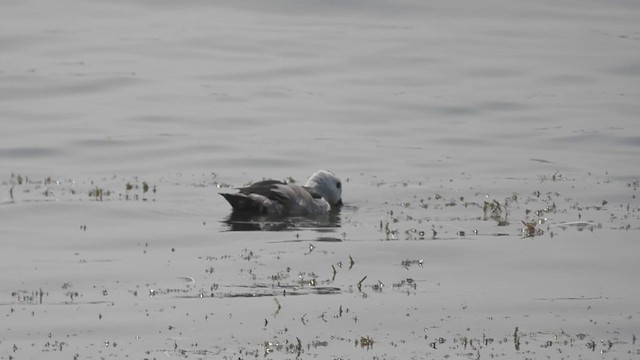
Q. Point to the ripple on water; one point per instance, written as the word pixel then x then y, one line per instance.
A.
pixel 38 87
pixel 28 152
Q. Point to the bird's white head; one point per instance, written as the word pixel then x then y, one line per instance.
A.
pixel 328 185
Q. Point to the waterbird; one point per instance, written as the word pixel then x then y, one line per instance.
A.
pixel 321 194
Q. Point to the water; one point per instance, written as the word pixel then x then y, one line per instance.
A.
pixel 425 110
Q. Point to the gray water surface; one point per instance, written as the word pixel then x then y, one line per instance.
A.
pixel 488 150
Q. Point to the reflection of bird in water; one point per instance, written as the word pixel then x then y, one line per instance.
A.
pixel 245 221
pixel 320 195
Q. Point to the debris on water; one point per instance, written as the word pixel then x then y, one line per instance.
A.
pixel 365 342
pixel 407 263
pixel 530 229
pixel 390 234
pixel 98 193
pixel 495 211
pixel 360 283
pixel 404 284
pixel 29 297
pixel 275 299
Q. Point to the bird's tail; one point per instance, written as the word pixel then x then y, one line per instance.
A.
pixel 241 202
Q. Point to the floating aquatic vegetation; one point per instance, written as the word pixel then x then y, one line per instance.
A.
pixel 29 297
pixel 414 234
pixel 68 189
pixel 530 229
pixel 402 284
pixel 495 211
pixel 365 342
pixel 289 347
pixel 557 176
pixel 407 263
pixel 131 187
pixel 279 307
pixel 248 255
pixel 16 178
pixel 439 341
pixel 98 193
pixel 390 234
pixel 54 346
pixel 360 283
pixel 378 287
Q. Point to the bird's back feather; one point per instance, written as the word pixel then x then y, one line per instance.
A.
pixel 244 203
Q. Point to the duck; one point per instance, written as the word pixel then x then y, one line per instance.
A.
pixel 321 194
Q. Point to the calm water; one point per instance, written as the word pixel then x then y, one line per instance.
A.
pixel 121 121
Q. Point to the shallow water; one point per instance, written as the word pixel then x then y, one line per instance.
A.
pixel 488 152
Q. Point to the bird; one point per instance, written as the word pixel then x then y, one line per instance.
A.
pixel 321 194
